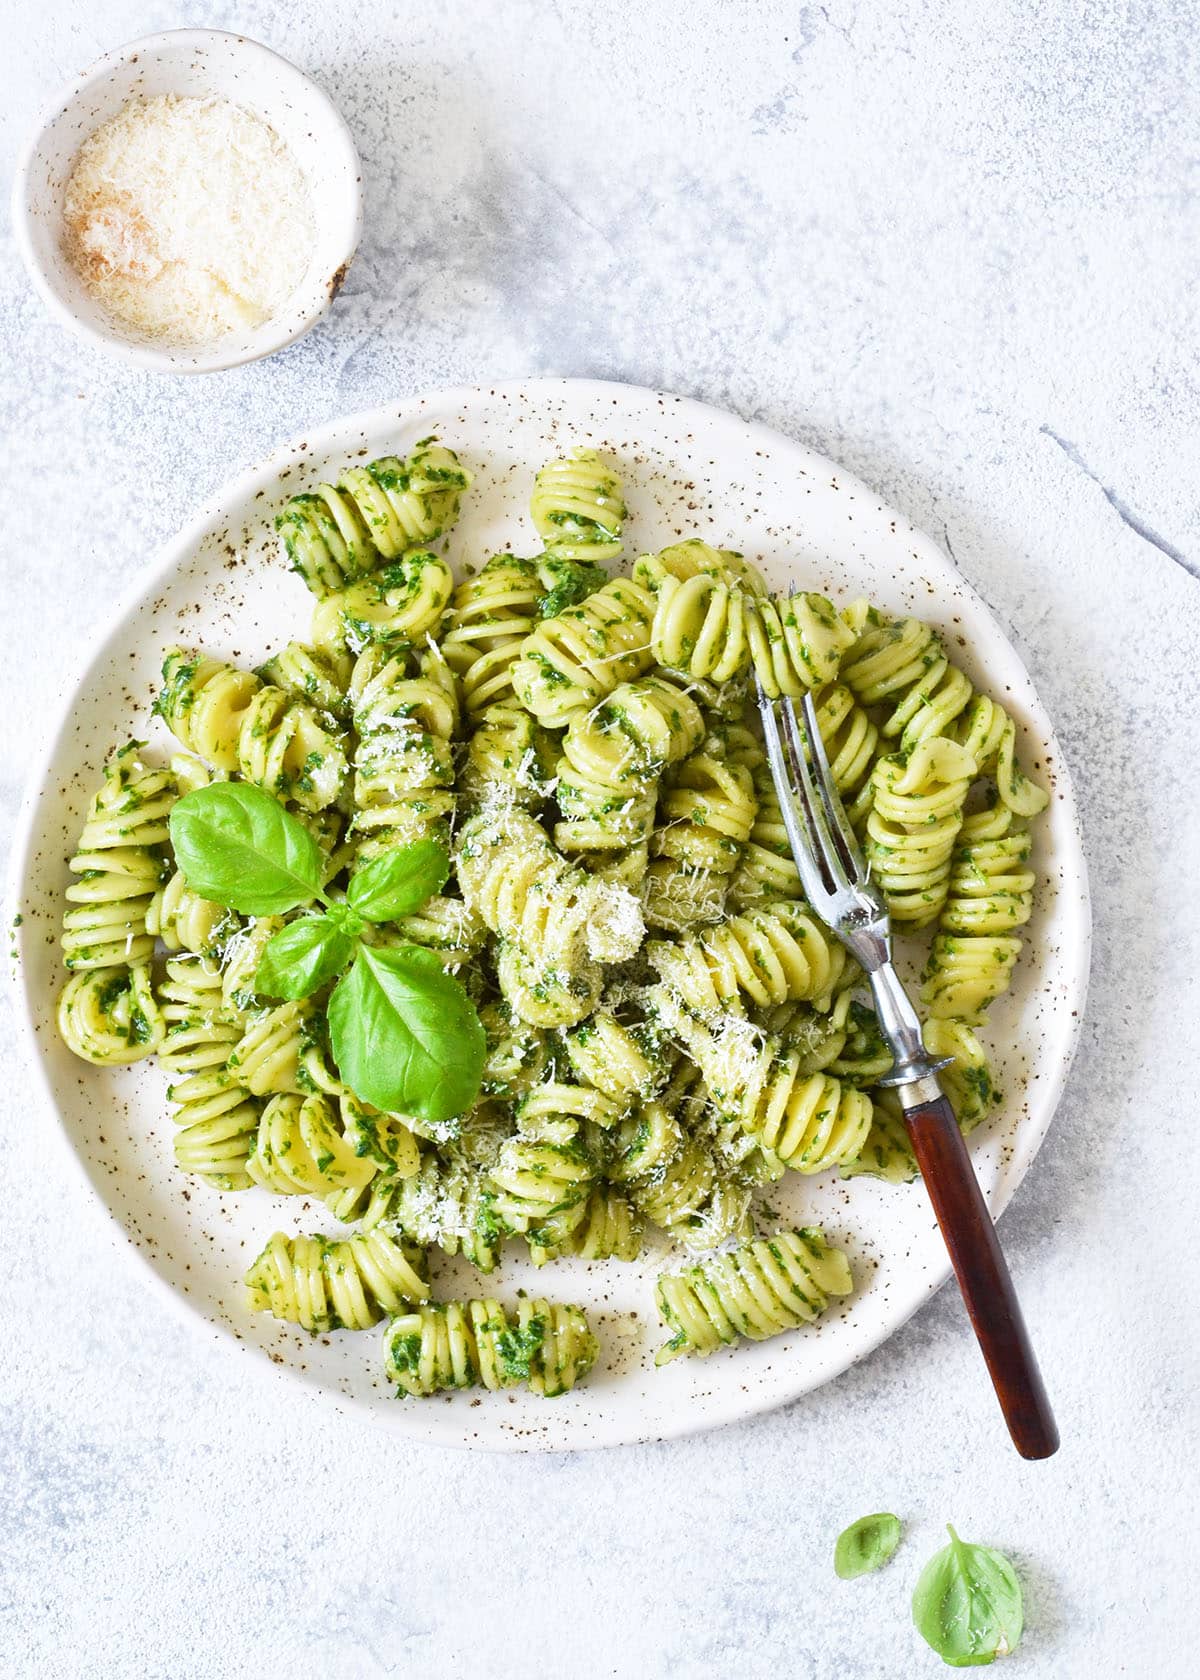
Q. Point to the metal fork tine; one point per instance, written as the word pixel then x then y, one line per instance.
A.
pixel 822 839
pixel 839 824
pixel 796 819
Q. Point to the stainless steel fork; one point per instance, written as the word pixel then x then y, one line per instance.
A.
pixel 839 888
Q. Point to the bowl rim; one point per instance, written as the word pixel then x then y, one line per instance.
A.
pixel 277 1379
pixel 274 334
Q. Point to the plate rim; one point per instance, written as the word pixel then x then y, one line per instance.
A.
pixel 741 1404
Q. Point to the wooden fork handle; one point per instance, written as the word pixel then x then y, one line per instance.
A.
pixel 983 1276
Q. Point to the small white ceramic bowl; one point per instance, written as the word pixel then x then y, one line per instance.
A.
pixel 195 62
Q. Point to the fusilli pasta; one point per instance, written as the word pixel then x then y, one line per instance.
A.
pixel 758 1290
pixel 463 1344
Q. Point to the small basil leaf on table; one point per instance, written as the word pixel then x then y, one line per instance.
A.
pixel 967 1604
pixel 399 882
pixel 238 847
pixel 405 1034
pixel 303 956
pixel 867 1544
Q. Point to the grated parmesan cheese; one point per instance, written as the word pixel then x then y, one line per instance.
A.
pixel 188 219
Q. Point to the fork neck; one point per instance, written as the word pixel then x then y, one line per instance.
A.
pixel 902 1029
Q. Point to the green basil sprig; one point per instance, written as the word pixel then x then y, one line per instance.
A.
pixel 967 1604
pixel 404 1033
pixel 866 1545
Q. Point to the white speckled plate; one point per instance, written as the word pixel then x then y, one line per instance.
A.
pixel 687 469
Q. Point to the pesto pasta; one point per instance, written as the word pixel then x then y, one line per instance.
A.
pixel 765 1286
pixel 465 1344
pixel 667 1029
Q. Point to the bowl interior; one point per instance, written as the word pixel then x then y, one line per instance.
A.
pixel 197 63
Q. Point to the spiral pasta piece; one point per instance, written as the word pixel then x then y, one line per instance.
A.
pixel 446 925
pixel 903 663
pixel 706 814
pixel 577 507
pixel 229 718
pixel 701 628
pixel 619 1061
pixel 301 1149
pixel 811 1121
pixel 770 956
pixel 968 1078
pixel 759 1290
pixel 396 607
pixel 576 659
pixel 186 922
pixel 110 1017
pixel 540 1176
pixel 386 1139
pixel 404 761
pixel 797 644
pixel 517 1056
pixel 607 777
pixel 409 503
pixel 558 923
pixel 119 865
pixel 990 736
pixel 991 884
pixel 201 1029
pixel 323 1284
pixel 766 870
pixel 318 675
pixel 492 614
pixel 689 1199
pixel 916 813
pixel 266 1059
pixel 605 1227
pixel 644 1143
pixel 216 1119
pixel 380 510
pixel 859 1054
pixel 963 976
pixel 886 1153
pixel 889 659
pixel 696 558
pixel 450 1205
pixel 465 1344
pixel 547 992
pixel 510 760
pixel 674 1169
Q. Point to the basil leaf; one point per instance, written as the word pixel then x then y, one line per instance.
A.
pixel 303 956
pixel 399 882
pixel 967 1604
pixel 341 915
pixel 866 1545
pixel 405 1034
pixel 239 847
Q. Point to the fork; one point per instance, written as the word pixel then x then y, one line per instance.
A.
pixel 840 890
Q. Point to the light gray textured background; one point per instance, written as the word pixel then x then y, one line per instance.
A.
pixel 951 243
